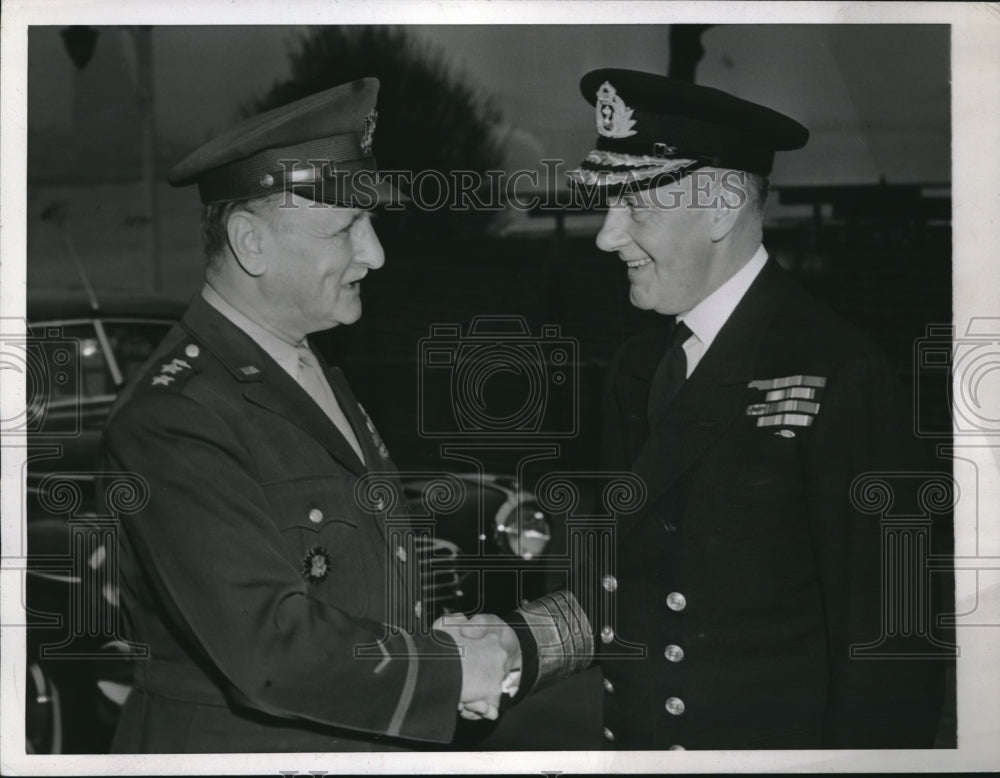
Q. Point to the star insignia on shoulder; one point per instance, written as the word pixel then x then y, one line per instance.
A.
pixel 316 565
pixel 162 380
pixel 174 366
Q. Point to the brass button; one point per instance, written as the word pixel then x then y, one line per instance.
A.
pixel 673 653
pixel 380 504
pixel 608 734
pixel 609 582
pixel 674 706
pixel 418 609
pixel 401 553
pixel 315 515
pixel 677 748
pixel 607 635
pixel 267 181
pixel 191 350
pixel 676 601
pixel 609 687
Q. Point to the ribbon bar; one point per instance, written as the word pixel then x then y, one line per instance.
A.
pixel 789 381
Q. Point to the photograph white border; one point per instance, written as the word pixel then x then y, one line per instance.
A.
pixel 975 62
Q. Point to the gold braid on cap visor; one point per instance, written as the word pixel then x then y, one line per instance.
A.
pixel 609 168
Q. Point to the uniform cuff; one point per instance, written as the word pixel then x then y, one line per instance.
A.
pixel 556 639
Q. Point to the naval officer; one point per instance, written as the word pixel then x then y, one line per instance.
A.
pixel 727 613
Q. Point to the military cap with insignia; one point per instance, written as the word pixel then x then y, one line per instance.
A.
pixel 319 147
pixel 652 129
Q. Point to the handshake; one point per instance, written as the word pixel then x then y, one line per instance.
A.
pixel 491 662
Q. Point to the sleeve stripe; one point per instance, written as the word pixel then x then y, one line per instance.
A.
pixel 409 687
pixel 562 633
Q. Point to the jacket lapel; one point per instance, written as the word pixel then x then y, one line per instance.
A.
pixel 285 397
pixel 376 455
pixel 634 387
pixel 265 383
pixel 711 400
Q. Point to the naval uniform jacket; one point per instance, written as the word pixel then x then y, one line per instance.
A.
pixel 725 616
pixel 259 579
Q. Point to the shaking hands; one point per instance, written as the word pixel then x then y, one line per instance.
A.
pixel 491 662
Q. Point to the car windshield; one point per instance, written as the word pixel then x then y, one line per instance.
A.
pixel 132 342
pixel 67 363
pixel 72 358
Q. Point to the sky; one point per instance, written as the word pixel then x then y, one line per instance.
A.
pixel 876 97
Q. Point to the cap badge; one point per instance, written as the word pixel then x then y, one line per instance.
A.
pixel 614 118
pixel 368 136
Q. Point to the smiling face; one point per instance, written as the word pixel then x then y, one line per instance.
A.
pixel 316 257
pixel 669 239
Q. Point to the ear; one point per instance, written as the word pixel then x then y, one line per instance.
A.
pixel 726 213
pixel 245 241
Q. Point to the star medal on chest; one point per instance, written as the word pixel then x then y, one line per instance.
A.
pixel 316 565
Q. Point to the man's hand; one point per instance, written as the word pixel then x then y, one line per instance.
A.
pixel 491 662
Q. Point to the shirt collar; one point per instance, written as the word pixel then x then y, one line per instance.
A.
pixel 708 317
pixel 281 351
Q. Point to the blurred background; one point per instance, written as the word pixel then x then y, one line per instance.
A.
pixel 861 215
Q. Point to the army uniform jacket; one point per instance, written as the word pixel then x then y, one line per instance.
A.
pixel 725 615
pixel 261 581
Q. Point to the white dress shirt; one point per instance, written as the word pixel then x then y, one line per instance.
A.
pixel 295 359
pixel 708 317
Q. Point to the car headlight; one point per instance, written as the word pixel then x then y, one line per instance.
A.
pixel 521 527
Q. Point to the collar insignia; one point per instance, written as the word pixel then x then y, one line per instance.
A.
pixel 376 438
pixel 614 118
pixel 368 136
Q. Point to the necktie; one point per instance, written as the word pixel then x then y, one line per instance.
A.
pixel 311 379
pixel 670 374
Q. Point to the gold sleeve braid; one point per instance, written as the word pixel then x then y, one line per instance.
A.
pixel 563 634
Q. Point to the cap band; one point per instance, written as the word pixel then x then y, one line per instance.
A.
pixel 609 168
pixel 276 170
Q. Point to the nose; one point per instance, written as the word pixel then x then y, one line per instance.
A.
pixel 367 247
pixel 613 236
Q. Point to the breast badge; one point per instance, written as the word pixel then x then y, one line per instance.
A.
pixel 316 565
